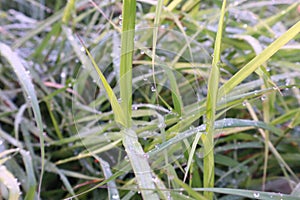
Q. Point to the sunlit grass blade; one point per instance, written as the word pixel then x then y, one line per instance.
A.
pixel 118 111
pixel 259 59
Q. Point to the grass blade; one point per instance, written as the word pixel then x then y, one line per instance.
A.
pixel 31 97
pixel 259 60
pixel 10 182
pixel 211 107
pixel 250 193
pixel 127 46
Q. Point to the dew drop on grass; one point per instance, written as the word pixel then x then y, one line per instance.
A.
pixel 126 158
pixel 256 195
pixel 146 155
pixel 120 17
pixel 161 125
pixel 245 25
pixel 70 85
pixel 263 97
pixel 63 75
pixel 119 100
pixel 115 196
pixel 244 103
pixel 142 52
pixel 153 88
pixel 155 179
pixel 82 49
pixel 283 12
pixel 120 23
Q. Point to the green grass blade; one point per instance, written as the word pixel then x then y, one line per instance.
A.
pixel 70 7
pixel 259 59
pixel 31 97
pixel 211 107
pixel 118 111
pixel 127 47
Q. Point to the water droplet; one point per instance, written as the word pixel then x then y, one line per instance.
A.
pixel 94 81
pixel 115 196
pixel 287 82
pixel 146 155
pixel 63 75
pixel 142 52
pixel 153 88
pixel 256 195
pixel 283 12
pixel 268 69
pixel 263 97
pixel 134 107
pixel 161 125
pixel 120 17
pixel 155 179
pixel 245 25
pixel 119 100
pixel 76 60
pixel 126 158
pixel 255 92
pixel 70 85
pixel 82 49
pixel 244 103
pixel 120 23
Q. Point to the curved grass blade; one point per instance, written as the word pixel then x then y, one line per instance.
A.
pixel 7 178
pixel 31 97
